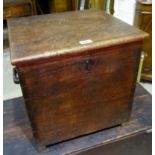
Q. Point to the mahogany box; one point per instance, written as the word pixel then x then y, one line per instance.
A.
pixel 77 71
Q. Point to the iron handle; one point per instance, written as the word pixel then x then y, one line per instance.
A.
pixel 15 76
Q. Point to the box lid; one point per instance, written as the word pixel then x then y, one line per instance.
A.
pixel 45 36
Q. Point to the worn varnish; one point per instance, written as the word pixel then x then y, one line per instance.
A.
pixel 72 89
pixel 46 36
pixel 19 140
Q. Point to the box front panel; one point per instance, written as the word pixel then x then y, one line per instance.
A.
pixel 80 95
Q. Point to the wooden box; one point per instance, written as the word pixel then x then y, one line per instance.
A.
pixel 77 71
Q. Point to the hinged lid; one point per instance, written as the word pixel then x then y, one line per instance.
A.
pixel 44 36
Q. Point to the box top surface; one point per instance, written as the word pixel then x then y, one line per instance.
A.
pixel 44 36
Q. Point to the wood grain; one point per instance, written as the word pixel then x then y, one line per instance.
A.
pixel 44 36
pixel 65 99
pixel 70 89
pixel 19 140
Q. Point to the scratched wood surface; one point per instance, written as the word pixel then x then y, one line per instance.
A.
pixel 50 35
pixel 70 97
pixel 18 137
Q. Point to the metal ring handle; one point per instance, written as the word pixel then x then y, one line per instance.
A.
pixel 15 76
